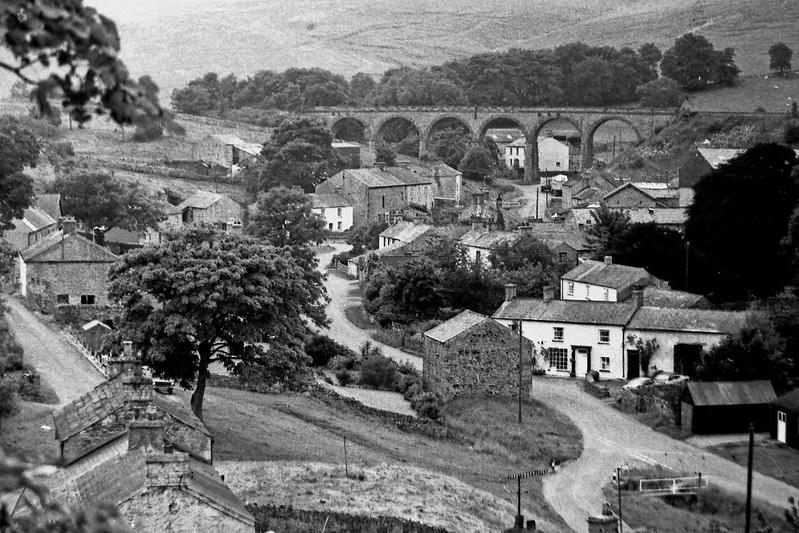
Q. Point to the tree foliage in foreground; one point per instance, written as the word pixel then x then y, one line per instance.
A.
pixel 19 148
pixel 284 218
pixel 206 296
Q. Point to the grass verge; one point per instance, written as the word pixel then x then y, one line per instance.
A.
pixel 769 458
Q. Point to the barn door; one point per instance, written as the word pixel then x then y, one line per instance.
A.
pixel 782 422
pixel 633 364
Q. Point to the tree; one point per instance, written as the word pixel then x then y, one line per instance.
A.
pixel 780 58
pixel 404 293
pixel 385 155
pixel 735 227
pixel 321 349
pixel 205 296
pixel 148 129
pixel 659 250
pixel 366 237
pixel 662 92
pixel 284 217
pixel 694 64
pixel 476 164
pixel 18 148
pixel 97 199
pixel 298 154
pixel 74 51
pixel 651 55
pixel 450 145
pixel 361 85
pixel 608 227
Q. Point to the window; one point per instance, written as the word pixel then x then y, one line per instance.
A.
pixel 87 299
pixel 557 334
pixel 477 257
pixel 338 226
pixel 607 294
pixel 563 257
pixel 570 288
pixel 604 336
pixel 330 225
pixel 338 212
pixel 384 202
pixel 604 364
pixel 559 358
pixel 62 299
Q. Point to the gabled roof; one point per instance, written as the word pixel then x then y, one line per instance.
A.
pixel 35 218
pixel 567 311
pixel 789 401
pixel 120 235
pixel 385 177
pixel 671 299
pixel 629 185
pixel 94 324
pixel 180 412
pixel 719 393
pixel 719 156
pixel 455 326
pixel 606 275
pixel 432 170
pixel 320 200
pixel 89 409
pixel 200 200
pixel 405 231
pixel 70 247
pixel 50 203
pixel 479 238
pixel 672 216
pixel 688 320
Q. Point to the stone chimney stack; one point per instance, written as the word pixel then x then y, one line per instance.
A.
pixel 549 293
pixel 608 259
pixel 69 225
pixel 638 296
pixel 123 364
pixel 510 292
pixel 146 430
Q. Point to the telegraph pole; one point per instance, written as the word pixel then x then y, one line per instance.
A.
pixel 520 371
pixel 749 478
pixel 618 489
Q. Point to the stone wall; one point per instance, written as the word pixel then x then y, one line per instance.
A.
pixel 662 399
pixel 73 279
pixel 481 360
pixel 385 200
pixel 162 510
pixel 286 519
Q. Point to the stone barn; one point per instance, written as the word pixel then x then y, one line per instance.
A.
pixel 472 354
pixel 726 406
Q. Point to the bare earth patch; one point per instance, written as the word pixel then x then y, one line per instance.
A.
pixel 380 490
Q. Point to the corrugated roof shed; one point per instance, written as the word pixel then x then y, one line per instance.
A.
pixel 455 326
pixel 789 401
pixel 693 320
pixel 568 311
pixel 606 275
pixel 719 156
pixel 719 393
pixel 93 324
pixel 405 231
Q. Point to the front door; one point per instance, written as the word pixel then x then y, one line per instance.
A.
pixel 782 422
pixel 582 361
pixel 633 364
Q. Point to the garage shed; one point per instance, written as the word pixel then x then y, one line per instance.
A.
pixel 784 420
pixel 726 406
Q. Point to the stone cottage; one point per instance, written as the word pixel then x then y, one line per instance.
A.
pixel 204 207
pixel 472 354
pixel 66 268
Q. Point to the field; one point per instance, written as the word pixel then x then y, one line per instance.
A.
pixel 179 40
pixel 312 429
pixel 769 458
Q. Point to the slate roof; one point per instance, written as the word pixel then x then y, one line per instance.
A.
pixel 120 235
pixel 36 218
pixel 433 169
pixel 480 238
pixel 668 298
pixel 688 320
pixel 181 412
pixel 606 275
pixel 90 408
pixel 455 326
pixel 567 311
pixel 789 401
pixel 719 393
pixel 620 188
pixel 385 177
pixel 583 216
pixel 50 203
pixel 405 231
pixel 672 216
pixel 200 200
pixel 719 156
pixel 74 248
pixel 329 200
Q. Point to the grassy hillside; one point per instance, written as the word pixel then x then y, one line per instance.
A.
pixel 178 40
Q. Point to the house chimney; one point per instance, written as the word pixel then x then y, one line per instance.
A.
pixel 510 291
pixel 549 293
pixel 146 430
pixel 608 259
pixel 69 225
pixel 638 296
pixel 124 363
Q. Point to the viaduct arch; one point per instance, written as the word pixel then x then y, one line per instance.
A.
pixel 531 121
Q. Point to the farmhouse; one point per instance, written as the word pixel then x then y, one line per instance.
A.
pixel 479 243
pixel 784 419
pixel 641 195
pixel 66 268
pixel 604 281
pixel 726 406
pixel 472 354
pixel 446 181
pixel 204 207
pixel 380 193
pixel 335 210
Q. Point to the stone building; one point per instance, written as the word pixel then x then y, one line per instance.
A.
pixel 66 268
pixel 472 354
pixel 34 226
pixel 204 207
pixel 334 209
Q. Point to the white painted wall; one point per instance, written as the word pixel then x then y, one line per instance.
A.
pixel 553 155
pixel 586 291
pixel 542 334
pixel 663 358
pixel 23 276
pixel 473 252
pixel 336 218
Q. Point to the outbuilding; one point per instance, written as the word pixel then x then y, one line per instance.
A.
pixel 726 406
pixel 94 333
pixel 784 421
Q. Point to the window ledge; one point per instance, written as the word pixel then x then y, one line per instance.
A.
pixel 606 371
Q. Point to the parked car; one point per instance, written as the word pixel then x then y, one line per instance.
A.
pixel 669 378
pixel 637 383
pixel 162 385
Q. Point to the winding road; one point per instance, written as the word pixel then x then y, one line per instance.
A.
pixel 611 439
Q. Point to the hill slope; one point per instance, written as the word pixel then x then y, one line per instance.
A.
pixel 178 40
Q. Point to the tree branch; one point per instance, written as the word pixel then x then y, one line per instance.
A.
pixel 17 71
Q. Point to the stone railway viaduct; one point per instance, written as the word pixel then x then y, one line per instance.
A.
pixel 531 121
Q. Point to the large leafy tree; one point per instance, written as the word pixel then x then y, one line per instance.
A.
pixel 608 227
pixel 694 64
pixel 404 293
pixel 780 58
pixel 450 145
pixel 659 250
pixel 528 263
pixel 206 296
pixel 736 225
pixel 298 154
pixel 477 163
pixel 284 218
pixel 98 199
pixel 662 92
pixel 366 237
pixel 18 148
pixel 63 48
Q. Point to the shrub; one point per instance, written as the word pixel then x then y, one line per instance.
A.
pixel 344 377
pixel 321 348
pixel 10 356
pixel 412 391
pixel 8 397
pixel 662 92
pixel 406 381
pixel 378 372
pixel 149 131
pixel 427 405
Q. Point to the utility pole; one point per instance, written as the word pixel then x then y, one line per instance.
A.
pixel 687 261
pixel 537 188
pixel 749 478
pixel 520 371
pixel 618 489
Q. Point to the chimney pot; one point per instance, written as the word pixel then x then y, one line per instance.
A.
pixel 510 291
pixel 638 296
pixel 549 293
pixel 69 225
pixel 608 259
